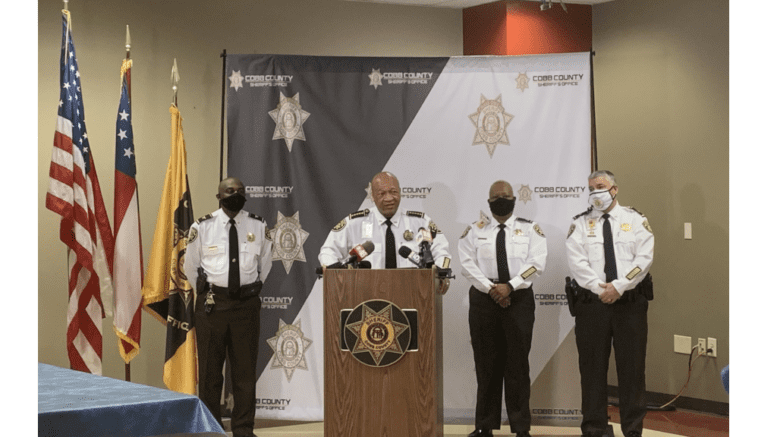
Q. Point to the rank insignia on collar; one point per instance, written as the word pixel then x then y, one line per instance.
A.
pixel 408 235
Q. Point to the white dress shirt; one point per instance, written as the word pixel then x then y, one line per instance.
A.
pixel 526 248
pixel 632 240
pixel 369 224
pixel 208 247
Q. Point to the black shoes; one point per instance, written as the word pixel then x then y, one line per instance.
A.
pixel 523 434
pixel 481 433
pixel 634 434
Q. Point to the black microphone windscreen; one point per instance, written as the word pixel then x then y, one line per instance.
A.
pixel 405 251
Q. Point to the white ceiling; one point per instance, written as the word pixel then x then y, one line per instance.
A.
pixel 461 4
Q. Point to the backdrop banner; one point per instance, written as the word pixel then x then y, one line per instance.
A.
pixel 306 135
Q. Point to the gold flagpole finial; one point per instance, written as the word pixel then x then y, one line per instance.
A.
pixel 174 78
pixel 127 44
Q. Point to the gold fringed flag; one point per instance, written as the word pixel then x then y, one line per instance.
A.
pixel 167 294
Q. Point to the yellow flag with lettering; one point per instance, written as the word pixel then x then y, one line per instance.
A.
pixel 167 294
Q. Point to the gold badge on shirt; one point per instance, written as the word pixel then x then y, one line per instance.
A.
pixel 408 235
pixel 250 237
pixel 625 227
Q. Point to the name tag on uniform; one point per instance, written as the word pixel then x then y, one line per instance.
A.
pixel 212 250
pixel 366 230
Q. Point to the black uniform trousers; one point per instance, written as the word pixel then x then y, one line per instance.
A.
pixel 598 328
pixel 501 340
pixel 232 327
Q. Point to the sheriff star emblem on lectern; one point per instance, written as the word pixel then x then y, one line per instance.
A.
pixel 289 118
pixel 378 333
pixel 491 122
pixel 288 238
pixel 289 345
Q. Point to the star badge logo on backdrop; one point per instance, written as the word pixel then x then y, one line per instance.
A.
pixel 524 194
pixel 289 345
pixel 491 122
pixel 522 81
pixel 288 238
pixel 375 78
pixel 289 118
pixel 377 333
pixel 236 80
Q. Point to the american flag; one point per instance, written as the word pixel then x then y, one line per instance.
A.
pixel 128 258
pixel 74 193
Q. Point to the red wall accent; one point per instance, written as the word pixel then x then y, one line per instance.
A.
pixel 521 28
pixel 485 29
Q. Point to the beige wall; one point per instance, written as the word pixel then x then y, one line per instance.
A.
pixel 661 79
pixel 194 32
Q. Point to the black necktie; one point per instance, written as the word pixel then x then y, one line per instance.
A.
pixel 501 256
pixel 391 250
pixel 610 269
pixel 234 259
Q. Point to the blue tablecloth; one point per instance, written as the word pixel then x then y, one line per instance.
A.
pixel 78 404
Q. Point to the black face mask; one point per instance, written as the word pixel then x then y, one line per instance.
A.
pixel 234 202
pixel 502 206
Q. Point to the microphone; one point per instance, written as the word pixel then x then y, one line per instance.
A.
pixel 359 252
pixel 406 252
pixel 426 248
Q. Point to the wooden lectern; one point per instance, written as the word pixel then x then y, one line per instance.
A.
pixel 403 399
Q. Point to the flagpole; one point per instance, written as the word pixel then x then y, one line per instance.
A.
pixel 223 99
pixel 127 44
pixel 174 78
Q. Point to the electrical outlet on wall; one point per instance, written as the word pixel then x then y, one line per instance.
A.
pixel 712 347
pixel 701 348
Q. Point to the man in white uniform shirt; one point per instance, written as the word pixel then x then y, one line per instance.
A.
pixel 231 247
pixel 501 258
pixel 610 250
pixel 388 227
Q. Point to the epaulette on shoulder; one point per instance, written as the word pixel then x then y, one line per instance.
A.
pixel 635 210
pixel 590 208
pixel 205 217
pixel 362 213
pixel 415 214
pixel 254 216
pixel 523 220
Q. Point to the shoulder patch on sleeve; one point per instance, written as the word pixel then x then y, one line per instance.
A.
pixel 254 216
pixel 522 220
pixel 415 214
pixel 267 234
pixel 590 208
pixel 647 225
pixel 205 217
pixel 339 226
pixel 571 230
pixel 433 228
pixel 466 231
pixel 538 230
pixel 192 235
pixel 362 213
pixel 635 210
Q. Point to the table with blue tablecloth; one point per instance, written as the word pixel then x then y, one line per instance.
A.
pixel 77 404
